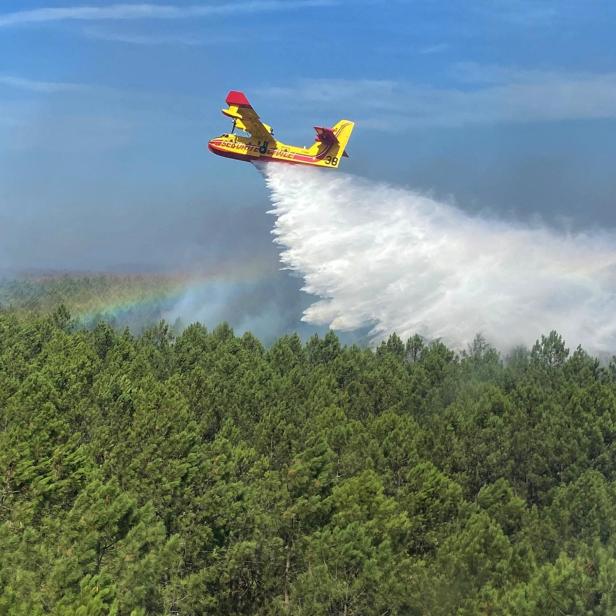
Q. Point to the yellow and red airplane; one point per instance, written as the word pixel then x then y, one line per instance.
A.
pixel 328 149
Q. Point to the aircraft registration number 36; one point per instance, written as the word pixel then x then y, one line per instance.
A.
pixel 331 160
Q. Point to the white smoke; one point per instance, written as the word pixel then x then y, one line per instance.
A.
pixel 402 262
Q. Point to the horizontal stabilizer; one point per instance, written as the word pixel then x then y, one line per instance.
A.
pixel 325 135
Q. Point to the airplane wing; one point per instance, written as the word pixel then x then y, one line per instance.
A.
pixel 245 117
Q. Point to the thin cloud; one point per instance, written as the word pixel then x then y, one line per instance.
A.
pixel 46 87
pixel 487 95
pixel 150 11
pixel 69 134
pixel 475 73
pixel 433 49
pixel 153 39
pixel 527 13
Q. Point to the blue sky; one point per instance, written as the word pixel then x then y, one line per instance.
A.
pixel 106 109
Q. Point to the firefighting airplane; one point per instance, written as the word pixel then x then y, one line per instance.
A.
pixel 328 149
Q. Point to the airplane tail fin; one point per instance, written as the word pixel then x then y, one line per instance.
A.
pixel 343 129
pixel 331 143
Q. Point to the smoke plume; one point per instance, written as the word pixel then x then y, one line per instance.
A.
pixel 399 261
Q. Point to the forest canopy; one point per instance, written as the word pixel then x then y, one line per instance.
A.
pixel 203 473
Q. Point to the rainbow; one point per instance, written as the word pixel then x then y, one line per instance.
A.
pixel 95 296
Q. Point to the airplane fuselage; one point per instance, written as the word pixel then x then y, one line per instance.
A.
pixel 250 149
